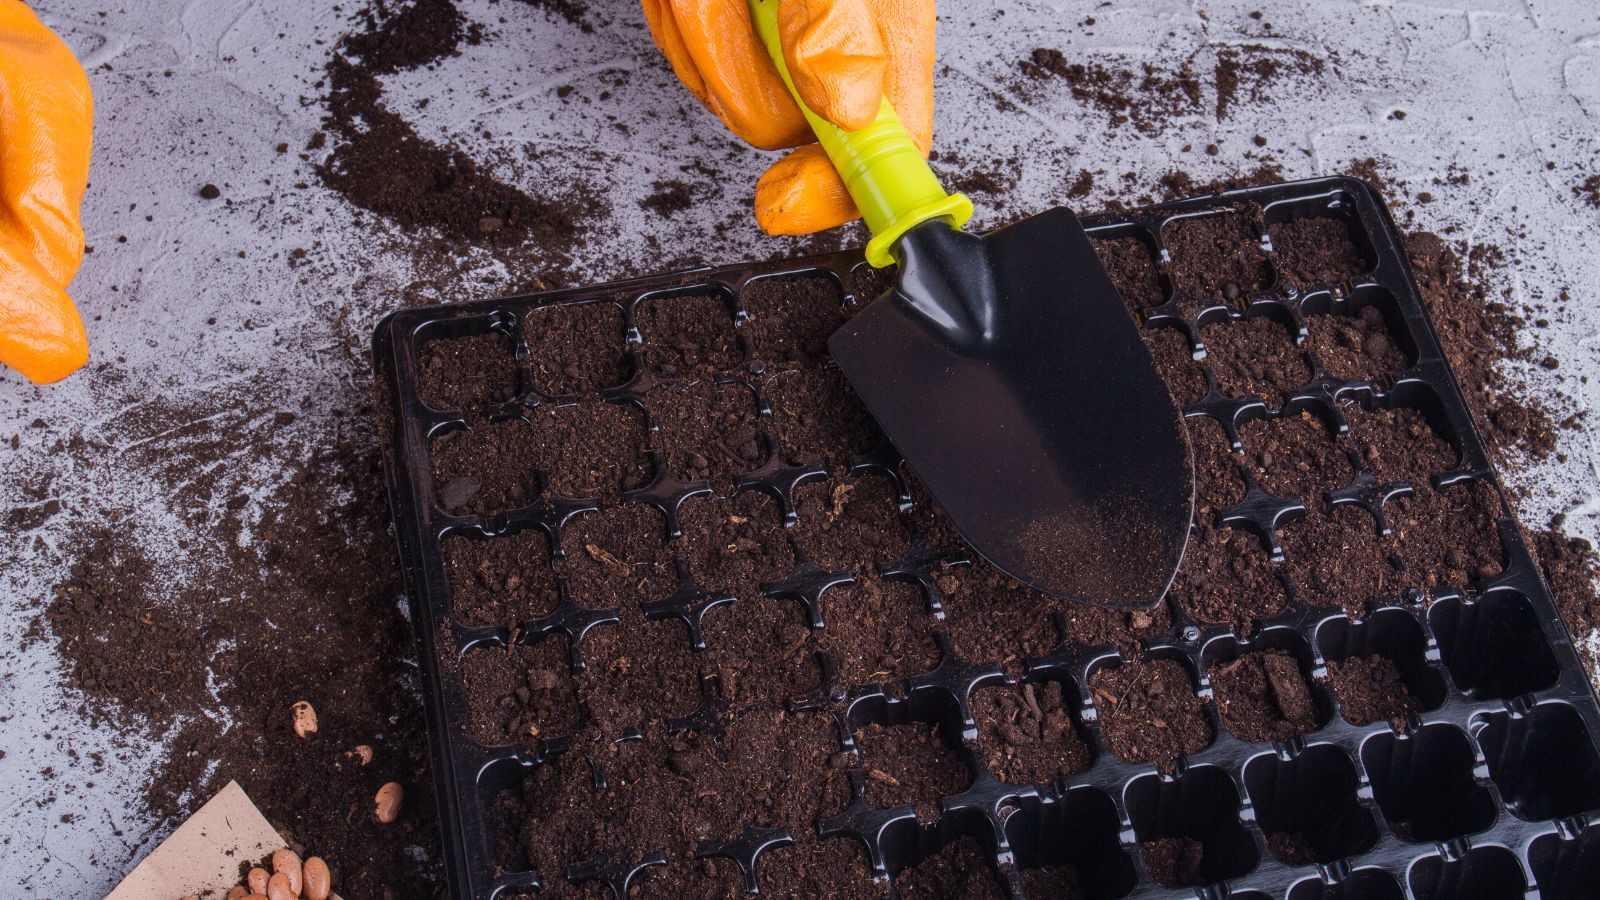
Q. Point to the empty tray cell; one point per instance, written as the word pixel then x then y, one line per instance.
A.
pixel 914 762
pixel 1357 347
pixel 818 419
pixel 708 430
pixel 877 631
pixel 761 650
pixel 1296 456
pixel 1423 783
pixel 1130 260
pixel 1319 250
pixel 1336 558
pixel 1262 695
pixel 1226 578
pixel 1175 363
pixel 1398 444
pixel 851 524
pixel 501 580
pixel 1483 873
pixel 1378 667
pixel 1543 762
pixel 1447 536
pixel 814 867
pixel 1361 884
pixel 1029 731
pixel 1493 645
pixel 1566 869
pixel 1188 828
pixel 1217 257
pixel 960 869
pixel 1307 806
pixel 789 319
pixel 734 546
pixel 1217 482
pixel 687 333
pixel 1255 357
pixel 576 349
pixel 520 694
pixel 763 767
pixel 617 557
pixel 1149 712
pixel 637 672
pixel 1071 848
pixel 467 373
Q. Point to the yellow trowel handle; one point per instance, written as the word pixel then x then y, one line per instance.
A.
pixel 880 164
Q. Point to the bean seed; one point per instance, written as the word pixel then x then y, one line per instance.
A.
pixel 305 718
pixel 318 882
pixel 361 753
pixel 287 863
pixel 278 888
pixel 238 892
pixel 386 805
pixel 257 879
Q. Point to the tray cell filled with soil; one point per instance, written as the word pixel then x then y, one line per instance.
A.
pixel 1148 711
pixel 687 333
pixel 1256 356
pixel 500 581
pixel 1378 667
pixel 1070 846
pixel 1217 257
pixel 675 596
pixel 468 373
pixel 1307 806
pixel 1030 732
pixel 578 349
pixel 788 320
pixel 1265 693
pixel 1188 828
pixel 1423 781
pixel 1130 259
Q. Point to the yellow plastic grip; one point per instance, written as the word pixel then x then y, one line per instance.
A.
pixel 881 166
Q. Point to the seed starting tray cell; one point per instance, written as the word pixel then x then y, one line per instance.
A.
pixel 637 522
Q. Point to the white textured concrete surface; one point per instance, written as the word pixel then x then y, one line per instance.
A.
pixel 1507 91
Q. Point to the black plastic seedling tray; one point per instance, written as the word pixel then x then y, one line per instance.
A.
pixel 1491 791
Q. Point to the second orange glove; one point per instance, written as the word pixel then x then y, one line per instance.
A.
pixel 844 56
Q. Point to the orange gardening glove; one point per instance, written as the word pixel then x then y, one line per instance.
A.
pixel 844 57
pixel 45 122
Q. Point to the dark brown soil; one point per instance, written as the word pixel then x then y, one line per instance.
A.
pixel 1174 862
pixel 1255 357
pixel 617 556
pixel 735 546
pixel 1149 712
pixel 1397 444
pixel 1145 98
pixel 1448 537
pixel 1027 733
pixel 1226 578
pixel 1061 881
pixel 637 673
pixel 1176 365
pixel 576 349
pixel 593 450
pixel 1370 689
pixel 1132 267
pixel 789 320
pixel 818 419
pixel 500 582
pixel 761 651
pixel 1261 696
pixel 813 867
pixel 911 763
pixel 1291 847
pixel 520 694
pixel 1571 569
pixel 1217 257
pixel 1317 251
pixel 960 869
pixel 708 430
pixel 467 374
pixel 851 524
pixel 1337 559
pixel 1296 456
pixel 687 334
pixel 1355 348
pixel 877 631
pixel 1218 484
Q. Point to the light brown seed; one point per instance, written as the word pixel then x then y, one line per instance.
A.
pixel 287 863
pixel 238 892
pixel 257 879
pixel 318 881
pixel 386 805
pixel 278 888
pixel 255 897
pixel 305 718
pixel 361 753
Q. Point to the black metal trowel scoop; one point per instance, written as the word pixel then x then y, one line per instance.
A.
pixel 1007 371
